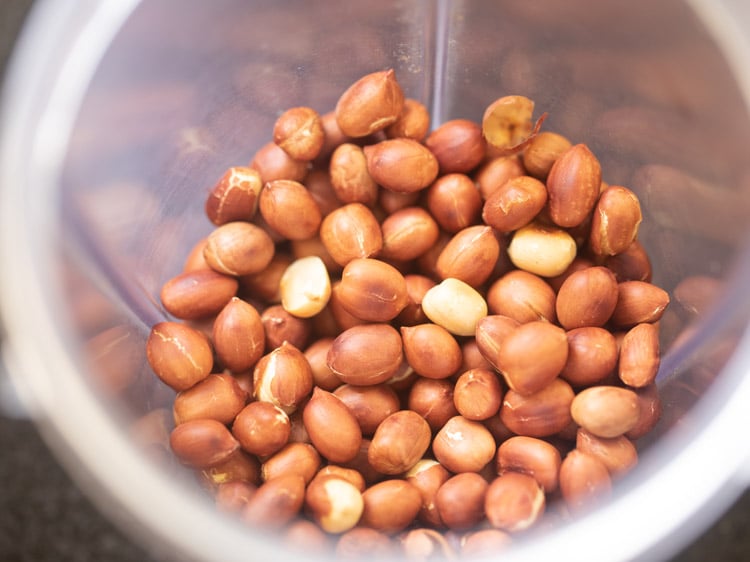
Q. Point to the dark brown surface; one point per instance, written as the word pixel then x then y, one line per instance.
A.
pixel 44 517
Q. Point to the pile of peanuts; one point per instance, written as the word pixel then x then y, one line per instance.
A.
pixel 414 342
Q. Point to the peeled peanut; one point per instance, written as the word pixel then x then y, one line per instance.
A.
pixel 179 355
pixel 606 411
pixel 639 356
pixel 531 456
pixel 543 250
pixel 202 443
pixel 455 305
pixel 514 502
pixel 305 287
pixel 235 196
pixel 470 255
pixel 332 428
pixel 370 104
pixel 454 201
pixel 463 445
pixel 367 354
pixel 431 350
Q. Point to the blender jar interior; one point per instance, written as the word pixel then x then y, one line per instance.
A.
pixel 188 89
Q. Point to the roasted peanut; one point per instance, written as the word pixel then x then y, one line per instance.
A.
pixel 514 204
pixel 293 458
pixel 639 302
pixel 261 428
pixel 390 506
pixel 514 501
pixel 238 336
pixel 531 456
pixel 431 350
pixel 522 296
pixel 458 146
pixel 281 199
pixel 592 355
pixel 334 503
pixel 218 397
pixel 372 290
pixel 460 500
pixel 299 132
pixel 573 186
pixel 470 256
pixel 412 123
pixel 583 479
pixel 350 232
pixel 401 164
pixel 541 414
pixel 454 201
pixel 587 298
pixel 202 443
pixel 478 394
pixel 370 404
pixel 532 355
pixel 606 411
pixel 179 355
pixel 197 294
pixel 371 104
pixel 433 400
pixel 639 356
pixel 428 476
pixel 367 354
pixel 283 378
pixel 463 445
pixel 399 442
pixel 408 233
pixel 350 179
pixel 332 428
pixel 234 197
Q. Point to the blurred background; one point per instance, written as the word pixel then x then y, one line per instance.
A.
pixel 43 516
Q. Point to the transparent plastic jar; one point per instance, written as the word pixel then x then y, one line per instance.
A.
pixel 118 116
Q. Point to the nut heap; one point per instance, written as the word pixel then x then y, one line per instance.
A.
pixel 402 341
